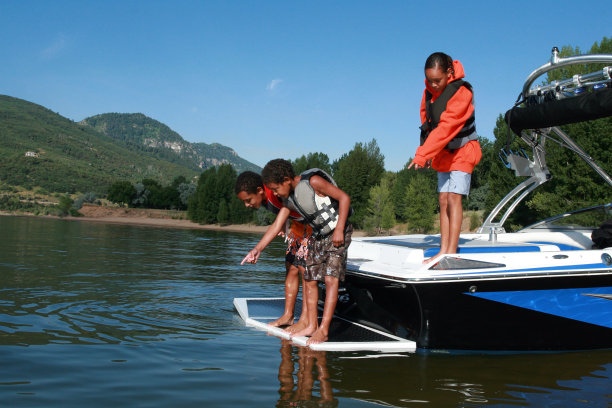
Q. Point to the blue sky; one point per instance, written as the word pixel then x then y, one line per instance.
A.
pixel 280 78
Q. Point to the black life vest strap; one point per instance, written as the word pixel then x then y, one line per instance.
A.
pixel 467 132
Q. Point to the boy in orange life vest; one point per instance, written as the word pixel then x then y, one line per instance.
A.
pixel 448 141
pixel 326 209
pixel 251 191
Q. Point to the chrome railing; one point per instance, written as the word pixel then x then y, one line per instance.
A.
pixel 570 86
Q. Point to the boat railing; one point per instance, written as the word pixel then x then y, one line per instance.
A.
pixel 571 86
pixel 538 174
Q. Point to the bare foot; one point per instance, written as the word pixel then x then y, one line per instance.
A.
pixel 282 321
pixel 307 331
pixel 317 337
pixel 428 260
pixel 294 328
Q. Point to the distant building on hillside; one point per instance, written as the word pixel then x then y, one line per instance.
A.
pixel 31 154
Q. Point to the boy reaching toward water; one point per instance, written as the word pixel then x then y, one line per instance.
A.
pixel 251 190
pixel 325 208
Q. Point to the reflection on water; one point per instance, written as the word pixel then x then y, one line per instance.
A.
pixel 297 379
pixel 318 378
pixel 107 315
pixel 468 380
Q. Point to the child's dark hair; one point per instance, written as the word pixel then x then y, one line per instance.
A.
pixel 440 60
pixel 248 181
pixel 276 170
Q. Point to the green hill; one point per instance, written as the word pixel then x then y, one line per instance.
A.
pixel 150 137
pixel 40 148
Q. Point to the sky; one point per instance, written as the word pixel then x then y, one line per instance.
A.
pixel 280 79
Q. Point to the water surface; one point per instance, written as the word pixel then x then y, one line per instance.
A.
pixel 108 315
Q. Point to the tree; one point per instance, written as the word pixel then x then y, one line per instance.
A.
pixel 65 205
pixel 239 214
pixel 402 181
pixel 178 180
pixel 388 217
pixel 380 206
pixel 226 178
pixel 421 199
pixel 185 190
pixel 209 198
pixel 356 173
pixel 154 196
pixel 214 200
pixel 121 192
pixel 197 208
pixel 310 161
pixel 223 214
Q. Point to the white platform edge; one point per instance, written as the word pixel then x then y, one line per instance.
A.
pixel 399 345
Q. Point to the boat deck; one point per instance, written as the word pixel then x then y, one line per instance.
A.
pixel 513 255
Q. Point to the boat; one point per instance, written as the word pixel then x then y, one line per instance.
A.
pixel 544 287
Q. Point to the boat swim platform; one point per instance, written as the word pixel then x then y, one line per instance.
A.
pixel 344 335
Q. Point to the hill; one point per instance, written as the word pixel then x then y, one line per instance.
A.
pixel 40 148
pixel 142 134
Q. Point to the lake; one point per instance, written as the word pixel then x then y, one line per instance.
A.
pixel 101 315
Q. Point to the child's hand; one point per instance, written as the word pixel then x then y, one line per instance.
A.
pixel 338 237
pixel 251 257
pixel 417 167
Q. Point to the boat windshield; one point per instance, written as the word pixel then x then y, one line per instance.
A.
pixel 585 219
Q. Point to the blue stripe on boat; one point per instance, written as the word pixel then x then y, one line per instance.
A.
pixel 589 305
pixel 534 247
pixel 486 249
pixel 562 247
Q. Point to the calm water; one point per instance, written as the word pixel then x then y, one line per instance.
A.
pixel 107 315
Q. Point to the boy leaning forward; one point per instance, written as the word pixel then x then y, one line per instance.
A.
pixel 326 208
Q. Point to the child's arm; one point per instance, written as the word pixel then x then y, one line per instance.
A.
pixel 458 110
pixel 270 234
pixel 324 187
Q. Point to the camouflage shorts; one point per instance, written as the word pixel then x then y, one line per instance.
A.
pixel 324 259
pixel 297 244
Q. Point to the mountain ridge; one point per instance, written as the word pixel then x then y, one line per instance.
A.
pixel 41 148
pixel 143 133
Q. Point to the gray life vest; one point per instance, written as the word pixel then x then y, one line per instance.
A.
pixel 434 110
pixel 321 213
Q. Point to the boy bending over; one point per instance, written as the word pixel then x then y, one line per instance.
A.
pixel 326 208
pixel 251 190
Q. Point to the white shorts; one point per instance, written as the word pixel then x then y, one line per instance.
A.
pixel 457 182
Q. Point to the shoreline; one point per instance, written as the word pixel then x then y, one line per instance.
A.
pixel 151 222
pixel 172 223
pixel 147 218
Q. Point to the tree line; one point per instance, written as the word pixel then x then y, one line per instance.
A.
pixel 150 193
pixel 379 198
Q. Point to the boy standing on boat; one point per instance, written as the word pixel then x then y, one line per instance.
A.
pixel 326 208
pixel 448 141
pixel 251 190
